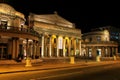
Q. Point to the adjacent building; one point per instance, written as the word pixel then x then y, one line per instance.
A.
pixel 15 36
pixel 98 42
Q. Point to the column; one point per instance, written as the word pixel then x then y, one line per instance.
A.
pixel 24 49
pixel 116 51
pixel 50 46
pixel 57 46
pixel 34 49
pixel 69 48
pixel 74 46
pixel 42 48
pixel 64 46
pixel 37 52
pixel 17 47
pixel 13 48
pixel 31 49
pixel 101 51
pixel 10 49
pixel 27 48
pixel 113 51
pixel 79 47
pixel 108 51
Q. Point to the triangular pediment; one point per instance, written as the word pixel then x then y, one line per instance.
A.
pixel 53 19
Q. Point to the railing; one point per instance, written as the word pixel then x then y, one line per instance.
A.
pixel 13 29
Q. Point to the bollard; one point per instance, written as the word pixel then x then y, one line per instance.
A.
pixel 114 57
pixel 98 58
pixel 28 62
pixel 72 61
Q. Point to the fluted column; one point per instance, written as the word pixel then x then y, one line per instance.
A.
pixel 27 48
pixel 103 51
pixel 50 46
pixel 17 47
pixel 42 48
pixel 34 49
pixel 57 46
pixel 74 46
pixel 64 46
pixel 13 48
pixel 37 50
pixel 116 51
pixel 108 51
pixel 10 48
pixel 79 47
pixel 69 47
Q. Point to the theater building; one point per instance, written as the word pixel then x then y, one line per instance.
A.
pixel 98 43
pixel 47 35
pixel 59 37
pixel 15 37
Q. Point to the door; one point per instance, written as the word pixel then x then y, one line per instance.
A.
pixel 3 52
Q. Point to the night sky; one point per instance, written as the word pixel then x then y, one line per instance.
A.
pixel 85 15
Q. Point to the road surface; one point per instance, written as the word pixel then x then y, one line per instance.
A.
pixel 86 72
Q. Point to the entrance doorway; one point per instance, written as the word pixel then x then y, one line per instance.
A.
pixel 3 51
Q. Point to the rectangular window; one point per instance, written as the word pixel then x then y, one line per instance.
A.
pixel 98 38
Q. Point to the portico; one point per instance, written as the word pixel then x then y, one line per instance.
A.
pixel 58 36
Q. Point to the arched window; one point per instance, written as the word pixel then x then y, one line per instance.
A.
pixel 4 24
pixel 98 38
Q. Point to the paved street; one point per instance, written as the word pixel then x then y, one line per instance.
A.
pixel 78 71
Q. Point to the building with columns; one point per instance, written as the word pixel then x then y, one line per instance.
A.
pixel 59 37
pixel 15 37
pixel 98 43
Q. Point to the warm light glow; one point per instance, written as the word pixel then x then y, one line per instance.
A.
pixel 106 32
pixel 53 36
pixel 106 35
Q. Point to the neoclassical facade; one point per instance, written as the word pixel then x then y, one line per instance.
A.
pixel 97 43
pixel 46 35
pixel 59 37
pixel 15 37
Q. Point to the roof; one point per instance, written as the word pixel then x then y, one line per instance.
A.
pixel 7 9
pixel 52 19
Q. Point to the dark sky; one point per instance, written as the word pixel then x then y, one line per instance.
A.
pixel 85 15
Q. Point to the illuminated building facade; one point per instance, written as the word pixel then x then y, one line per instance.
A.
pixel 114 34
pixel 15 37
pixel 44 36
pixel 98 43
pixel 59 37
pixel 113 31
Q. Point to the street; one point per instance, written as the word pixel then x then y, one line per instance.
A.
pixel 86 72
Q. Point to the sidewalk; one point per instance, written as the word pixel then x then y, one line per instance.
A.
pixel 12 68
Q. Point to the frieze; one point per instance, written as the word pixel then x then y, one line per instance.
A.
pixel 11 16
pixel 50 31
pixel 59 28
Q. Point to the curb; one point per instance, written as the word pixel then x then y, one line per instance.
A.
pixel 18 71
